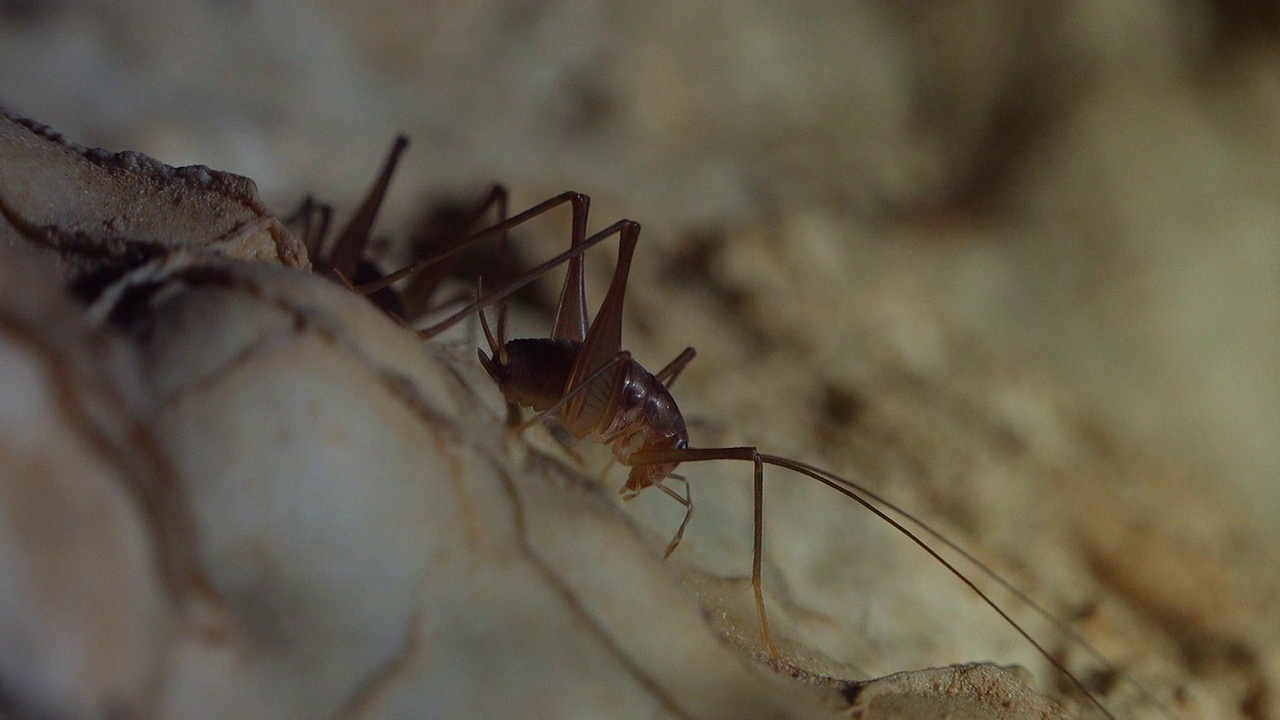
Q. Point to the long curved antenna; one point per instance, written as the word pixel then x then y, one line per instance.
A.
pixel 1058 623
pixel 855 492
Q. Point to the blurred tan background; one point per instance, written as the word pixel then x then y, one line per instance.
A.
pixel 1083 195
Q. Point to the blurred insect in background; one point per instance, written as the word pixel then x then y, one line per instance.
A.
pixel 582 377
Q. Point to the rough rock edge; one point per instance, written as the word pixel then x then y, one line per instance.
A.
pixel 231 191
pixel 234 187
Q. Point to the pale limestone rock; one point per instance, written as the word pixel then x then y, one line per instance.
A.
pixel 89 568
pixel 384 546
pixel 959 692
pixel 101 210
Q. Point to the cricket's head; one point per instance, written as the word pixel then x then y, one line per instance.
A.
pixel 643 476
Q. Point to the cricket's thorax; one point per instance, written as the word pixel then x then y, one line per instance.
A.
pixel 646 417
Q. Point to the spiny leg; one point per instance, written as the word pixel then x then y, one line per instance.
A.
pixel 351 243
pixel 757 554
pixel 578 201
pixel 497 345
pixel 418 291
pixel 686 501
pixel 603 342
pixel 498 351
pixel 596 380
pixel 310 222
pixel 571 311
pixel 510 288
pixel 653 457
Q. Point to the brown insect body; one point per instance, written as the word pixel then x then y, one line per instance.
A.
pixel 534 371
pixel 629 407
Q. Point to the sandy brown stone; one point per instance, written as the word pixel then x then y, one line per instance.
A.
pixel 101 210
